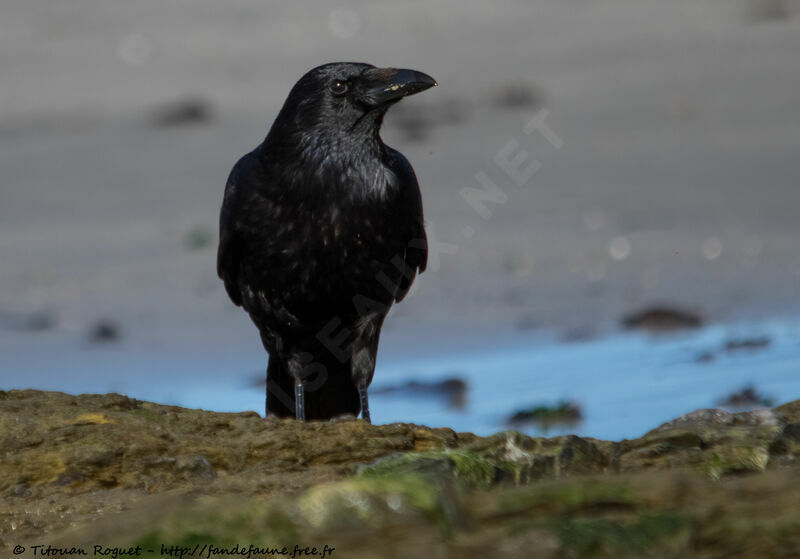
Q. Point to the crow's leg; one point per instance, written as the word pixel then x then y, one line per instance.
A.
pixel 301 366
pixel 362 394
pixel 296 366
pixel 299 400
pixel 365 353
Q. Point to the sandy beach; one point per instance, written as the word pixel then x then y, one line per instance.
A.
pixel 667 171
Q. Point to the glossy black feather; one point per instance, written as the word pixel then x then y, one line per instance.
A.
pixel 321 231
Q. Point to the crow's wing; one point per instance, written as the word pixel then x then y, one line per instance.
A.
pixel 412 222
pixel 229 252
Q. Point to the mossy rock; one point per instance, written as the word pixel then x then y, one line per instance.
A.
pixel 640 536
pixel 190 476
pixel 523 459
pixel 732 459
pixel 464 466
pixel 789 411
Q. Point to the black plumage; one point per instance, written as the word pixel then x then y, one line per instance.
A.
pixel 321 231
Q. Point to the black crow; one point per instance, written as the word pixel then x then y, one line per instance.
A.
pixel 321 231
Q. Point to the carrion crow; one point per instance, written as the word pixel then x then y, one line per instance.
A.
pixel 321 231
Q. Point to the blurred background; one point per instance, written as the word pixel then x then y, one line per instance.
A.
pixel 645 266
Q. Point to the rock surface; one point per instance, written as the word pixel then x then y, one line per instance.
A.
pixel 78 471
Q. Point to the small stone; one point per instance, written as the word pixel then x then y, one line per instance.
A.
pixel 105 331
pixel 197 465
pixel 189 111
pixel 662 319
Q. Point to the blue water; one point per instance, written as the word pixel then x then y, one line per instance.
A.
pixel 625 383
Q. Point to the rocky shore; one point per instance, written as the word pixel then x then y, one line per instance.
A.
pixel 141 479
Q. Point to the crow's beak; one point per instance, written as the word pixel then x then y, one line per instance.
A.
pixel 386 85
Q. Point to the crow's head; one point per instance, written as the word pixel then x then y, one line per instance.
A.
pixel 348 96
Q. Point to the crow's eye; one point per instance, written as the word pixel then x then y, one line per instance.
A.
pixel 339 87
